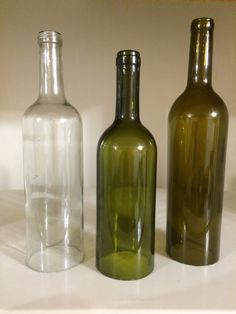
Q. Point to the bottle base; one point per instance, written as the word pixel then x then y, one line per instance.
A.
pixel 125 265
pixel 55 259
pixel 191 254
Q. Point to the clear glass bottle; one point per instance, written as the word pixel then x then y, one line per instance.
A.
pixel 53 168
pixel 198 124
pixel 126 183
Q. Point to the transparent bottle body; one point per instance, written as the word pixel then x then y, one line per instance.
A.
pixel 53 173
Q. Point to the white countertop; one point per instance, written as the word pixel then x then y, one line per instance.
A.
pixel 171 288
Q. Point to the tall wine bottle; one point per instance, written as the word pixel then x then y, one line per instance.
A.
pixel 53 168
pixel 197 131
pixel 126 183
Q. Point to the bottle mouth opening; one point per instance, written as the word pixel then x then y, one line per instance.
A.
pixel 128 57
pixel 49 37
pixel 202 23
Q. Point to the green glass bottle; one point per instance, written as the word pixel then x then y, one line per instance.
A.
pixel 126 183
pixel 197 132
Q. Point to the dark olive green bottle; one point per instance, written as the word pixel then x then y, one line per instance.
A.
pixel 197 136
pixel 126 183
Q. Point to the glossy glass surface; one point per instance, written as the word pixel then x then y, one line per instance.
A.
pixel 198 123
pixel 53 169
pixel 126 181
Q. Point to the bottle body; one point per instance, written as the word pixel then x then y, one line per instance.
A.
pixel 126 187
pixel 197 145
pixel 53 178
pixel 197 135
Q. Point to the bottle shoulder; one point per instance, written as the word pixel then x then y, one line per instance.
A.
pixel 127 134
pixel 199 102
pixel 51 111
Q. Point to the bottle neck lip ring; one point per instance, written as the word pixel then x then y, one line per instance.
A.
pixel 128 57
pixel 52 37
pixel 202 24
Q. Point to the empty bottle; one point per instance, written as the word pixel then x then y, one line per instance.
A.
pixel 126 183
pixel 198 123
pixel 53 168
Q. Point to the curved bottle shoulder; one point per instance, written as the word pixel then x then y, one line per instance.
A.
pixel 199 102
pixel 130 134
pixel 51 111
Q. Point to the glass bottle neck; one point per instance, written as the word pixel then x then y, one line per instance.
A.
pixel 200 57
pixel 51 78
pixel 127 102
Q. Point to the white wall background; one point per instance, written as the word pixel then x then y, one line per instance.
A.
pixel 93 31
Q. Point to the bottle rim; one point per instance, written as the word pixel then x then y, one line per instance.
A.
pixel 48 36
pixel 203 23
pixel 128 57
